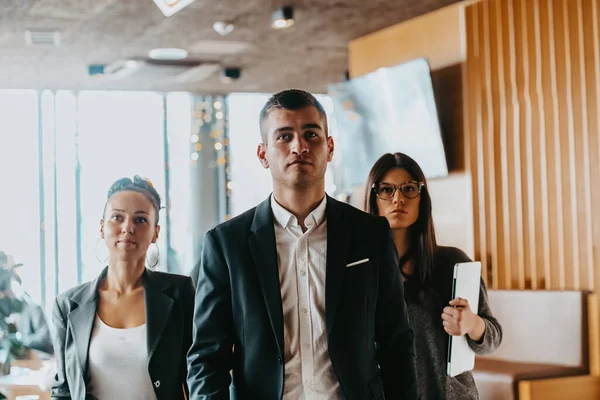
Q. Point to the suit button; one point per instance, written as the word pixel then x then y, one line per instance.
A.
pixel 280 361
pixel 157 384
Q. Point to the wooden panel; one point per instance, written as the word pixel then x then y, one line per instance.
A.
pixel 532 106
pixel 437 36
pixel 552 136
pixel 581 154
pixel 522 82
pixel 594 334
pixel 575 387
pixel 474 143
pixel 591 39
pixel 489 153
pixel 539 155
pixel 516 117
pixel 498 151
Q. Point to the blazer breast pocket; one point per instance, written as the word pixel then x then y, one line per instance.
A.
pixel 359 271
pixel 358 263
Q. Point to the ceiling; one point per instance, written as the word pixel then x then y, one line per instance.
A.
pixel 310 54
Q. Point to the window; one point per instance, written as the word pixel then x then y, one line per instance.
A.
pixel 120 135
pixel 20 223
pixel 55 172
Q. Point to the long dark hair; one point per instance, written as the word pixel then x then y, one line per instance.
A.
pixel 422 232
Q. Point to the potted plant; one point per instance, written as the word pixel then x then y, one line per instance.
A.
pixel 10 304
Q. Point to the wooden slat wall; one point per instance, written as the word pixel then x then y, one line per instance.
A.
pixel 532 108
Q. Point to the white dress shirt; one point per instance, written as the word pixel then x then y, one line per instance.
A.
pixel 302 258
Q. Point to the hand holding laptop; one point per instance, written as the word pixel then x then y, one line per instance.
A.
pixel 459 319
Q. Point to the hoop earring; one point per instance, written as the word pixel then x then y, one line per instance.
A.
pixel 157 257
pixel 98 258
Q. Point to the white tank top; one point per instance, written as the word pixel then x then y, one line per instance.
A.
pixel 118 363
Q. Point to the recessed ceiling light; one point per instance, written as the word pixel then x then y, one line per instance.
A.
pixel 282 18
pixel 168 54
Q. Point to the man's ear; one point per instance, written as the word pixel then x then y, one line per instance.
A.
pixel 261 153
pixel 330 148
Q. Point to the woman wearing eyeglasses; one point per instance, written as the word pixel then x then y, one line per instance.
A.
pixel 398 191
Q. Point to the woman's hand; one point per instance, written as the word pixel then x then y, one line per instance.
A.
pixel 459 320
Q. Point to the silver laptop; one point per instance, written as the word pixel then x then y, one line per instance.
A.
pixel 466 282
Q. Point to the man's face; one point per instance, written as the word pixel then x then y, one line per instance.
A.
pixel 297 148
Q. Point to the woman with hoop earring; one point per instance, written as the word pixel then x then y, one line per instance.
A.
pixel 125 335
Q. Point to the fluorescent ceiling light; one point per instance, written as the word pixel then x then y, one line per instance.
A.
pixel 168 54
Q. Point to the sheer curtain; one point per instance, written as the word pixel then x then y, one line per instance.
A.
pixel 20 224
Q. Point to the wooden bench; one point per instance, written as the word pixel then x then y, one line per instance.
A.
pixel 550 347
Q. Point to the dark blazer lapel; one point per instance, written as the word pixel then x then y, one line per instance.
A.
pixel 158 309
pixel 338 244
pixel 264 253
pixel 82 319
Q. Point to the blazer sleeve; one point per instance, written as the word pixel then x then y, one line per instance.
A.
pixel 210 357
pixel 188 315
pixel 394 335
pixel 60 386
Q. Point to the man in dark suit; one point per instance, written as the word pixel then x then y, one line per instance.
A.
pixel 295 295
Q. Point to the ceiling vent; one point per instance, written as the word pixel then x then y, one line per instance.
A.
pixel 156 71
pixel 42 37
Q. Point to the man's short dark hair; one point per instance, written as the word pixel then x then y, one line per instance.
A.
pixel 290 99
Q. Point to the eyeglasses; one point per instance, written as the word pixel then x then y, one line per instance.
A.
pixel 386 191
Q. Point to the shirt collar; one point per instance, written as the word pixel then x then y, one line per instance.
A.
pixel 285 218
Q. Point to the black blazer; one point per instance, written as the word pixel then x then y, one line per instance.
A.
pixel 238 320
pixel 169 303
